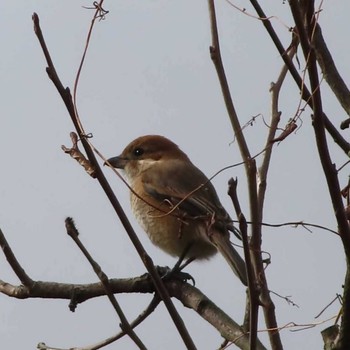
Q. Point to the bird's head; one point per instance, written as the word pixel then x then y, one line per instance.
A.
pixel 144 152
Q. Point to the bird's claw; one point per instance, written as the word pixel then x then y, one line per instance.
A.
pixel 167 274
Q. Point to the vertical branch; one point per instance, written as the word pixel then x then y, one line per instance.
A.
pixel 249 163
pixel 215 55
pixel 319 127
pixel 253 294
pixel 275 118
pixel 305 21
pixel 251 171
pixel 268 305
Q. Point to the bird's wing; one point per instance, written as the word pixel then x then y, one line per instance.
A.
pixel 186 186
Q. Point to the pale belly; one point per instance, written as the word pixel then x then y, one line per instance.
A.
pixel 172 234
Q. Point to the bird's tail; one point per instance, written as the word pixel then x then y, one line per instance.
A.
pixel 231 255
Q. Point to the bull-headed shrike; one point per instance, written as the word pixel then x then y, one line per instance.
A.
pixel 175 203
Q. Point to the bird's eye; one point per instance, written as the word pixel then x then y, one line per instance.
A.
pixel 138 152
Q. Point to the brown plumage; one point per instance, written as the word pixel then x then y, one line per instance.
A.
pixel 175 204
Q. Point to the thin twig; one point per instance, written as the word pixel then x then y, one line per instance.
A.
pixel 337 297
pixel 287 298
pixel 150 308
pixel 97 15
pixel 275 118
pixel 252 286
pixel 299 223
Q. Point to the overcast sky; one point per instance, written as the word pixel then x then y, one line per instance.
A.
pixel 148 71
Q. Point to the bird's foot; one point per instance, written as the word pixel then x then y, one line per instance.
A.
pixel 166 274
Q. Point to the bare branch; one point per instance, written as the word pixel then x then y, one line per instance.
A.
pixel 76 154
pixel 287 298
pixel 337 137
pixel 150 308
pixel 15 265
pixel 337 297
pixel 146 259
pixel 125 325
pixel 275 119
pixel 79 293
pixel 303 224
pixel 230 330
pixel 252 285
pixel 306 20
pixel 290 128
pixel 329 70
pixel 186 293
pixel 100 13
pixel 251 171
pixel 330 337
pixel 215 55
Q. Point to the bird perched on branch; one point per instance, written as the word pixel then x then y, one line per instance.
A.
pixel 175 203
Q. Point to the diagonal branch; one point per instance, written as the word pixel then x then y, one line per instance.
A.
pixel 125 325
pixel 150 308
pixel 306 95
pixel 193 298
pixel 146 259
pixel 15 265
pixel 251 171
pixel 330 71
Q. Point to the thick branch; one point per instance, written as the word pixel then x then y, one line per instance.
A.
pixel 305 22
pixel 189 296
pixel 78 293
pixel 330 71
pixel 320 136
pixel 193 298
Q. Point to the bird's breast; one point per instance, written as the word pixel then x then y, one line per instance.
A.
pixel 168 230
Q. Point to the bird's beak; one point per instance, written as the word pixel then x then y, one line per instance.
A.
pixel 117 162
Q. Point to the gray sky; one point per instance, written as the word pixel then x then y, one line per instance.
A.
pixel 148 71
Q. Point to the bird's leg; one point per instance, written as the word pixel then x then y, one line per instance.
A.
pixel 176 271
pixel 187 262
pixel 178 266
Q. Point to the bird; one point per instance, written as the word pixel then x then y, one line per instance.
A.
pixel 175 203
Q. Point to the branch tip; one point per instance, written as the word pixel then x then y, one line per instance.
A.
pixel 71 228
